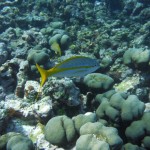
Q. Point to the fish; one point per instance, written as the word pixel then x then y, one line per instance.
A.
pixel 75 66
pixel 56 48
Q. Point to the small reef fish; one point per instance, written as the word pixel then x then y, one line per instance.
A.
pixel 56 48
pixel 75 66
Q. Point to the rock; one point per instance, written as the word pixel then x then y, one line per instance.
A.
pixel 113 6
pixel 3 53
pixel 21 78
pixel 43 108
pixel 21 126
pixel 62 90
pixel 31 90
pixel 2 93
pixel 39 111
pixel 8 75
pixel 145 14
pixel 56 24
pixel 129 83
pixel 3 117
pixel 144 1
pixel 38 138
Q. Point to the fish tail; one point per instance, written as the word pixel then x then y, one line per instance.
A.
pixel 43 73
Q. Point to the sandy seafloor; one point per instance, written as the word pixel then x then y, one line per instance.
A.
pixel 105 110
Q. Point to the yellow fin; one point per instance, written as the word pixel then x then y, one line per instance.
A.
pixel 55 47
pixel 43 73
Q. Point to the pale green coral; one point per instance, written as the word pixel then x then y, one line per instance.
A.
pixel 119 107
pixel 60 130
pixel 136 56
pixel 98 80
pixel 106 134
pixel 90 142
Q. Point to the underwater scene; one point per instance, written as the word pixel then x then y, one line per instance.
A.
pixel 74 74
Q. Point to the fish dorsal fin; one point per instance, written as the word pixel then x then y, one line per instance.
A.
pixel 72 62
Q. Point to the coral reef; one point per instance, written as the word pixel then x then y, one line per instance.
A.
pixel 108 109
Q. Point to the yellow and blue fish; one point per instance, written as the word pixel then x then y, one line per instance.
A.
pixel 75 66
pixel 56 47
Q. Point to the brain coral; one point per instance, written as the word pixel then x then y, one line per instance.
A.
pixel 20 142
pixel 60 130
pixel 129 146
pixel 119 107
pixel 98 81
pixel 103 133
pixel 139 131
pixel 90 142
pixel 37 56
pixel 136 57
pixel 81 119
pixel 67 128
pixel 62 39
